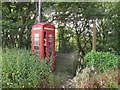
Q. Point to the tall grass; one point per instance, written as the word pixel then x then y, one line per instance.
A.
pixel 21 69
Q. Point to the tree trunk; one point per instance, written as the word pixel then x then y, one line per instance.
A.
pixel 59 41
pixel 62 38
pixel 80 49
pixel 20 43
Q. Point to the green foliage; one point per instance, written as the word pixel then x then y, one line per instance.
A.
pixel 72 21
pixel 21 69
pixel 101 60
pixel 17 23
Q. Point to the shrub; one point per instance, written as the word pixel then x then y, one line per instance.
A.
pixel 101 60
pixel 21 69
pixel 108 79
pixel 89 79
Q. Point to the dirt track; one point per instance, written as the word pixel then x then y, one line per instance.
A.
pixel 64 64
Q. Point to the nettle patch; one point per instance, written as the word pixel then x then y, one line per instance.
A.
pixel 21 69
pixel 101 60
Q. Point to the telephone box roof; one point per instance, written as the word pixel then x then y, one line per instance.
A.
pixel 42 24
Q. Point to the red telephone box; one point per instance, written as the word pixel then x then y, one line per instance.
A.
pixel 43 40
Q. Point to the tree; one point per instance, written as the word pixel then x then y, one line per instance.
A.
pixel 17 21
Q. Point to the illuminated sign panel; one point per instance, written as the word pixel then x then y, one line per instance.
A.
pixel 37 28
pixel 48 28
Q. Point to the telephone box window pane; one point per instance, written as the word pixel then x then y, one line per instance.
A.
pixel 50 44
pixel 44 39
pixel 36 35
pixel 36 52
pixel 50 52
pixel 36 43
pixel 50 39
pixel 36 48
pixel 44 43
pixel 50 48
pixel 44 51
pixel 50 35
pixel 36 39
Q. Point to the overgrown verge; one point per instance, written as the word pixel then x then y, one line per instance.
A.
pixel 101 71
pixel 89 79
pixel 21 69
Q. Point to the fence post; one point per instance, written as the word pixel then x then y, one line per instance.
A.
pixel 94 36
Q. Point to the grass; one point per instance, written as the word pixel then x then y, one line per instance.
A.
pixel 21 69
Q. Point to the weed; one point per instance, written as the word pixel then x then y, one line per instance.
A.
pixel 21 69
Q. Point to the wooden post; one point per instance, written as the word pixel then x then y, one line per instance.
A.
pixel 94 36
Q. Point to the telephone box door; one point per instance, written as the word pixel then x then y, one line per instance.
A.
pixel 50 45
